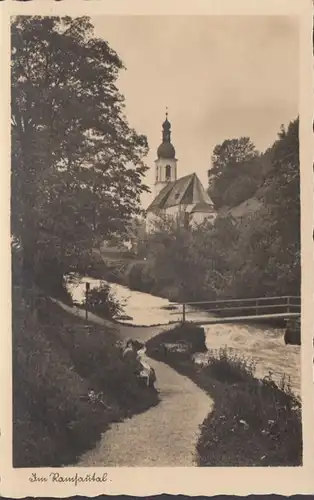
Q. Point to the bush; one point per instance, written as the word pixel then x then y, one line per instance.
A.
pixel 253 422
pixel 266 414
pixel 228 366
pixel 102 301
pixel 138 277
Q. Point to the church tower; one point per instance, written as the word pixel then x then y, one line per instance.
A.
pixel 166 163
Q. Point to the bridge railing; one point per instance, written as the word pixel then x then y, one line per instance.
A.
pixel 288 305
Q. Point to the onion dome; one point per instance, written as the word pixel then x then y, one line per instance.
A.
pixel 166 149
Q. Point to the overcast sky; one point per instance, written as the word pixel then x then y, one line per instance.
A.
pixel 221 77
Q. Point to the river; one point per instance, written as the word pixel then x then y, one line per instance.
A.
pixel 265 344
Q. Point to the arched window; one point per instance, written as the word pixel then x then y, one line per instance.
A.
pixel 168 172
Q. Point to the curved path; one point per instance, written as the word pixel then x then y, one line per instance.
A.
pixel 165 435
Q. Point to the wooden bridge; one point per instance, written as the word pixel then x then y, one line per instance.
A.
pixel 243 310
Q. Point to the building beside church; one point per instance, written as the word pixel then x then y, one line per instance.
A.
pixel 183 198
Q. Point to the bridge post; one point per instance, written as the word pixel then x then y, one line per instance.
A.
pixel 288 304
pixel 87 288
pixel 256 307
pixel 183 313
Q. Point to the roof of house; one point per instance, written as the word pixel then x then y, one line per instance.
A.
pixel 187 190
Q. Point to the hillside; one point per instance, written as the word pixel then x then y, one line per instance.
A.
pixel 58 359
pixel 247 207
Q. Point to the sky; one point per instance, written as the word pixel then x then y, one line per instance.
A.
pixel 220 77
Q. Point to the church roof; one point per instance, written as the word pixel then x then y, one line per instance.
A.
pixel 202 207
pixel 187 190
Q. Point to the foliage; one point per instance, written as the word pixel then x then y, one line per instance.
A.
pixel 260 412
pixel 242 188
pixel 268 248
pixel 227 365
pixel 231 153
pixel 101 300
pixel 138 277
pixel 230 160
pixel 56 364
pixel 193 264
pixel 77 166
pixel 257 254
pixel 253 422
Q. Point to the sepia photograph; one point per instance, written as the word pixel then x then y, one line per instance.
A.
pixel 155 227
pixel 155 224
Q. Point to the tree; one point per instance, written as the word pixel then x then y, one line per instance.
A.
pixel 256 255
pixel 283 185
pixel 77 166
pixel 282 193
pixel 231 153
pixel 266 259
pixel 227 160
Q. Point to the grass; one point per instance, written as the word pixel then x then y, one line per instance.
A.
pixel 57 359
pixel 253 423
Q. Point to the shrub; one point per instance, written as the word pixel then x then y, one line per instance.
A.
pixel 102 301
pixel 261 412
pixel 228 366
pixel 138 277
pixel 253 423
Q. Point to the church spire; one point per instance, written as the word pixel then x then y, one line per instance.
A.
pixel 166 149
pixel 166 163
pixel 166 129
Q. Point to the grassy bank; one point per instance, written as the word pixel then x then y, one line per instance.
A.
pixel 57 360
pixel 254 422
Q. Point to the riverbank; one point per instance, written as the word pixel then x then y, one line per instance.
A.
pixel 58 359
pixel 133 276
pixel 255 422
pixel 264 343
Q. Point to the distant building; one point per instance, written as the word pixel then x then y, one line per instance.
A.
pixel 183 199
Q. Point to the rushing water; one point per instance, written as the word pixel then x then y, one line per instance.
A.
pixel 140 308
pixel 264 344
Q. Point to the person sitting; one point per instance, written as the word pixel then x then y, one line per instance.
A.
pixel 147 372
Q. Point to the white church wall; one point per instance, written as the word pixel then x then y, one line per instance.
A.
pixel 153 219
pixel 173 211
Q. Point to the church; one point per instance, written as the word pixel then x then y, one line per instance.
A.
pixel 184 198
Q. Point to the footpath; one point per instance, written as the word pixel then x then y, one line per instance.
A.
pixel 165 435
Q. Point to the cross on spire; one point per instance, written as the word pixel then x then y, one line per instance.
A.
pixel 166 134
